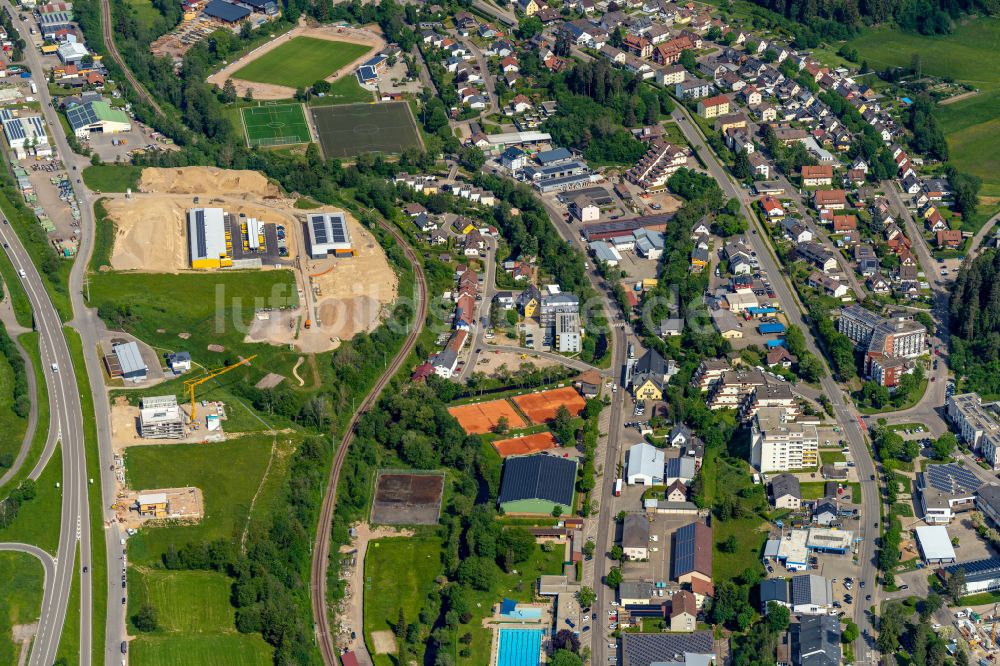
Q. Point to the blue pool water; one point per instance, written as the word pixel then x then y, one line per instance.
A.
pixel 519 647
pixel 521 613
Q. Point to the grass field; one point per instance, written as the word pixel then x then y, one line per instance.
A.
pixel 186 602
pixel 211 650
pixel 346 131
pixel 828 457
pixel 145 13
pixel 228 474
pixel 972 126
pixel 399 572
pixel 20 600
pixel 112 177
pixel 212 307
pixel 344 91
pixel 275 125
pixel 196 620
pixel 12 425
pixel 301 62
pixel 37 521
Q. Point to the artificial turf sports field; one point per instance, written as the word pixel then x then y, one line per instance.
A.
pixel 351 129
pixel 301 62
pixel 275 125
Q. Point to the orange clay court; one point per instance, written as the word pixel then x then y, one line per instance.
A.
pixel 481 417
pixel 519 446
pixel 540 407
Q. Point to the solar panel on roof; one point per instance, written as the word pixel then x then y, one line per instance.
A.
pixel 319 229
pixel 338 230
pixel 951 478
pixel 200 236
pixel 684 550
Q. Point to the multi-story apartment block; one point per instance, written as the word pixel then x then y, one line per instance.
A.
pixel 978 425
pixel 778 444
pixel 889 343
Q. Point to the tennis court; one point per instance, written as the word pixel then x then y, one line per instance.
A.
pixel 348 130
pixel 275 125
pixel 480 417
pixel 542 406
pixel 520 446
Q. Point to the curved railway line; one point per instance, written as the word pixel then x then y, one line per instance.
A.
pixel 109 43
pixel 321 551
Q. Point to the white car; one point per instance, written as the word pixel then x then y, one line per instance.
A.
pixel 935 626
pixel 612 646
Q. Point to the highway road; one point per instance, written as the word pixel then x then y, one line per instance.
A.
pixel 846 416
pixel 87 325
pixel 64 403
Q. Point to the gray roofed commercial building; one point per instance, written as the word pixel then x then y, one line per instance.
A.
pixel 988 502
pixel 225 11
pixel 132 365
pixel 649 649
pixel 980 575
pixel 811 594
pixel 537 483
pixel 679 469
pixel 635 591
pixel 645 465
pixel 546 157
pixel 816 641
pixel 328 235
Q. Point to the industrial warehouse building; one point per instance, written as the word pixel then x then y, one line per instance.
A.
pixel 207 238
pixel 328 235
pixel 99 117
pixel 980 575
pixel 537 484
pixel 125 362
pixel 160 418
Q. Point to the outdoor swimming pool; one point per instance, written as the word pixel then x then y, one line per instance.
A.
pixel 519 647
pixel 524 613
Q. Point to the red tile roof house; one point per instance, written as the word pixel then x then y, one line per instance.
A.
pixel 950 238
pixel 845 223
pixel 772 207
pixel 832 199
pixel 814 176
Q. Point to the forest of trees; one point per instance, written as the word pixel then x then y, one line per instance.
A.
pixel 975 323
pixel 839 19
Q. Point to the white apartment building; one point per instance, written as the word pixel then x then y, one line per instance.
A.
pixel 779 445
pixel 568 332
pixel 977 425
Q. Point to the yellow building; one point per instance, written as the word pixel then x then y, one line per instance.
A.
pixel 648 390
pixel 529 7
pixel 713 107
pixel 528 301
pixel 154 505
pixel 208 240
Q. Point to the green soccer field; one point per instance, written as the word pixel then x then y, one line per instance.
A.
pixel 275 125
pixel 301 62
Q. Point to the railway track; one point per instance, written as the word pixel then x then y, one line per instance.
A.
pixel 109 43
pixel 321 550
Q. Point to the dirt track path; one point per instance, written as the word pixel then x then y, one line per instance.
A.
pixel 356 601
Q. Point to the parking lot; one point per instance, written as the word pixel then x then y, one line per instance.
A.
pixel 139 137
pixel 657 568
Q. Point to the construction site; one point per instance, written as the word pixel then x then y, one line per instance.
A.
pixel 204 218
pixel 135 508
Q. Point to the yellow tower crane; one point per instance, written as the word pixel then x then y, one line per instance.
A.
pixel 190 384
